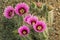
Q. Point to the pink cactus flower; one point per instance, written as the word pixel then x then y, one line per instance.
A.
pixel 40 26
pixel 32 20
pixel 21 8
pixel 26 17
pixel 9 12
pixel 23 30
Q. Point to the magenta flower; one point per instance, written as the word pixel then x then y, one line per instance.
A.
pixel 9 12
pixel 26 17
pixel 40 26
pixel 21 8
pixel 32 20
pixel 23 30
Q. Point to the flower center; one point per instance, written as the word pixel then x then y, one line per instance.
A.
pixel 39 27
pixel 22 11
pixel 33 22
pixel 24 32
pixel 10 13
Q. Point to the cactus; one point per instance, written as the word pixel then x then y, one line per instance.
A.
pixel 10 26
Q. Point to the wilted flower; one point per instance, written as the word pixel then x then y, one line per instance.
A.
pixel 23 30
pixel 26 17
pixel 32 20
pixel 21 8
pixel 9 12
pixel 40 26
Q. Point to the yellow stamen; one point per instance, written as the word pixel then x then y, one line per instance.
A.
pixel 39 27
pixel 33 23
pixel 24 32
pixel 22 11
